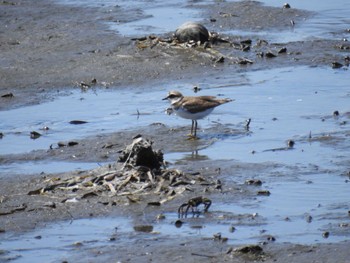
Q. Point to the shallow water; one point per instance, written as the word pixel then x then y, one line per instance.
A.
pixel 158 17
pixel 284 215
pixel 313 183
pixel 329 21
pixel 286 103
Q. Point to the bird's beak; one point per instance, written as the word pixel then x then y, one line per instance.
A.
pixel 165 98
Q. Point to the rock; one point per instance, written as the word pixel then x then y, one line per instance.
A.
pixel 192 31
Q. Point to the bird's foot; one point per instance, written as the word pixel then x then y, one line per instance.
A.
pixel 192 137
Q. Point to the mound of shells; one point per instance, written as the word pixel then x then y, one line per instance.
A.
pixel 138 172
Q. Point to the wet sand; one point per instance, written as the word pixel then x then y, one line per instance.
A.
pixel 47 47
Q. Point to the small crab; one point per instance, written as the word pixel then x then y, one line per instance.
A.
pixel 193 203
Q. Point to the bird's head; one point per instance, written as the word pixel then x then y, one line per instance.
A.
pixel 173 96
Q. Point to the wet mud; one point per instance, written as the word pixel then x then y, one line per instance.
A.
pixel 49 49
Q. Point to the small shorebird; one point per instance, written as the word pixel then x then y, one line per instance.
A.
pixel 193 108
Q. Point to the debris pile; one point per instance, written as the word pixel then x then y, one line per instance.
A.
pixel 138 172
pixel 199 40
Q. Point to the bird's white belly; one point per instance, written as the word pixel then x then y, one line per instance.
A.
pixel 192 116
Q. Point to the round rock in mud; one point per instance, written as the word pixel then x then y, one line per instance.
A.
pixel 192 31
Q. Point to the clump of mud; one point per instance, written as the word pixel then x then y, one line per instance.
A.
pixel 140 153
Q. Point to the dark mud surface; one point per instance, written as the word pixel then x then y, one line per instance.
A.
pixel 49 49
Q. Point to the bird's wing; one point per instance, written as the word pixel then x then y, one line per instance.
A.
pixel 206 102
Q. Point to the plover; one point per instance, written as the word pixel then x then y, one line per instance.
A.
pixel 193 108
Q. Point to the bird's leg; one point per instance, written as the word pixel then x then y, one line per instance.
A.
pixel 192 128
pixel 195 128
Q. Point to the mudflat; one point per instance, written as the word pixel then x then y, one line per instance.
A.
pixel 47 47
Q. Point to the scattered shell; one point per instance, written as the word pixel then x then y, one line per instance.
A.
pixel 178 223
pixel 77 244
pixel 217 236
pixel 154 203
pixel 262 42
pixel 144 228
pixel 253 182
pixel 286 5
pixel 196 89
pixel 325 234
pixel 246 42
pixel 244 61
pixel 197 227
pixel 34 135
pixel 336 113
pixel 271 238
pixel 220 60
pixel 309 219
pixel 260 54
pixel 7 95
pixel 77 122
pixel 72 143
pixel 232 229
pixel 160 217
pixel 50 204
pixel 252 249
pixel 64 144
pixel 264 192
pixel 282 50
pixel 269 54
pixel 336 65
pixel 247 123
pixel 290 143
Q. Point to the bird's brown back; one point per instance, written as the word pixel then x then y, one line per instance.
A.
pixel 201 103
